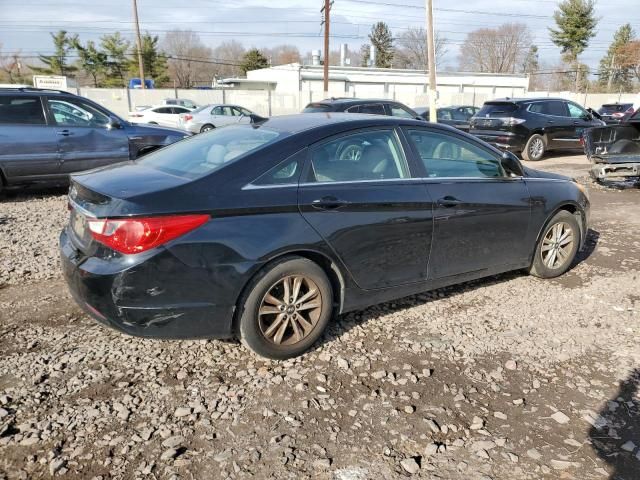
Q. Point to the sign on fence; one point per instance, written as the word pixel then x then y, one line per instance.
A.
pixel 50 81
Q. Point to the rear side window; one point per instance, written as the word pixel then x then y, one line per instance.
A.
pixel 553 107
pixel 316 107
pixel 21 110
pixel 371 155
pixel 448 156
pixel 204 154
pixel 373 109
pixel 498 109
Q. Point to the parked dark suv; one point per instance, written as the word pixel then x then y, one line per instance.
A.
pixel 361 105
pixel 47 134
pixel 613 113
pixel 532 126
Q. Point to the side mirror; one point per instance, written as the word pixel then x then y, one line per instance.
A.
pixel 113 123
pixel 594 114
pixel 512 164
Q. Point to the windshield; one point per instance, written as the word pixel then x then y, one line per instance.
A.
pixel 204 154
pixel 497 109
pixel 316 107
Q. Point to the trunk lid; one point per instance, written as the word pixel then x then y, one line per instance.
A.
pixel 496 115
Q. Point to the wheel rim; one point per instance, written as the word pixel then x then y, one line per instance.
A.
pixel 206 128
pixel 351 153
pixel 290 310
pixel 557 246
pixel 536 148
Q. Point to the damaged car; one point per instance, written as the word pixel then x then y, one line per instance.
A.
pixel 614 150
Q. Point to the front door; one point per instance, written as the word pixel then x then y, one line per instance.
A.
pixel 357 194
pixel 84 138
pixel 481 213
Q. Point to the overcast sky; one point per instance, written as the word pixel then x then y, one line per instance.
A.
pixel 24 24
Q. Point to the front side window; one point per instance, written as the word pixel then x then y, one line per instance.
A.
pixel 575 111
pixel 75 113
pixel 449 156
pixel 21 110
pixel 371 155
pixel 398 111
pixel 201 155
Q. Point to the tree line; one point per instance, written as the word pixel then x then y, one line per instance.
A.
pixel 180 58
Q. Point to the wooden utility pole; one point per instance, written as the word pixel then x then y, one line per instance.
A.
pixel 611 72
pixel 139 44
pixel 431 59
pixel 326 9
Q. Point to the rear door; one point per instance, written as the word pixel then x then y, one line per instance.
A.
pixel 84 137
pixel 554 118
pixel 481 214
pixel 358 194
pixel 28 144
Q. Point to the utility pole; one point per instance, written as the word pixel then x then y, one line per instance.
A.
pixel 611 72
pixel 139 44
pixel 431 58
pixel 326 21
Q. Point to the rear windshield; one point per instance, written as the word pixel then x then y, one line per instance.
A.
pixel 614 108
pixel 497 109
pixel 203 154
pixel 316 107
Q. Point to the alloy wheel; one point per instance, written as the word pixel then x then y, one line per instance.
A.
pixel 290 310
pixel 557 245
pixel 536 148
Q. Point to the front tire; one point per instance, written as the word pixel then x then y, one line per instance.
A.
pixel 535 148
pixel 285 308
pixel 557 247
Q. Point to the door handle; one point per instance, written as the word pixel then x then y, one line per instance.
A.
pixel 64 133
pixel 448 202
pixel 328 203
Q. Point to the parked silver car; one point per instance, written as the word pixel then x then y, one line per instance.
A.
pixel 209 117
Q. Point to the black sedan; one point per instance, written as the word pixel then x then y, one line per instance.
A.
pixel 456 116
pixel 267 231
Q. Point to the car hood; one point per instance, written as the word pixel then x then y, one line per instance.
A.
pixel 532 173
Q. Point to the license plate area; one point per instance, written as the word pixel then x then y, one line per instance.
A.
pixel 80 229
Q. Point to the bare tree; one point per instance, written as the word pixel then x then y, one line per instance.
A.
pixel 228 56
pixel 496 50
pixel 188 58
pixel 282 54
pixel 411 50
pixel 12 67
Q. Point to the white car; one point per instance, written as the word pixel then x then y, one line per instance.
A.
pixel 165 115
pixel 209 117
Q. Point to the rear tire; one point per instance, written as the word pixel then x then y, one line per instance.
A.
pixel 557 247
pixel 285 308
pixel 535 148
pixel 206 128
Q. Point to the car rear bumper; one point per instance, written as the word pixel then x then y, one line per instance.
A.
pixel 603 171
pixel 136 299
pixel 503 140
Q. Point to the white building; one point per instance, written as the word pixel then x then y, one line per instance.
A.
pixel 407 86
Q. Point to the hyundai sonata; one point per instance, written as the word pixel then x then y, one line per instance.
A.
pixel 268 231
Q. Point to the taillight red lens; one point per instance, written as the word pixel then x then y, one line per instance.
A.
pixel 135 235
pixel 188 117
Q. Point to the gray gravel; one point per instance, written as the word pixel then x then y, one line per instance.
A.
pixel 506 378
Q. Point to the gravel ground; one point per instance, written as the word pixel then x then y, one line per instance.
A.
pixel 511 377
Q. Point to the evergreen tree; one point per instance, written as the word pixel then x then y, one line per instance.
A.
pixel 365 53
pixel 92 60
pixel 612 75
pixel 115 47
pixel 253 60
pixel 154 61
pixel 57 64
pixel 382 41
pixel 576 24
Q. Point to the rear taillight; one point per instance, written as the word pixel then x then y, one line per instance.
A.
pixel 511 121
pixel 135 235
pixel 630 110
pixel 618 114
pixel 187 118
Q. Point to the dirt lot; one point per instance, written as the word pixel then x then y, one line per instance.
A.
pixel 506 378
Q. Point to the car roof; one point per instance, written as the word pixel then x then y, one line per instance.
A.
pixel 32 91
pixel 350 101
pixel 292 124
pixel 524 100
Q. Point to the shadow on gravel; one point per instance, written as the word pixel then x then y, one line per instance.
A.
pixel 589 247
pixel 29 193
pixel 616 432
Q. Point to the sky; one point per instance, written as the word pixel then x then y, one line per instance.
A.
pixel 25 24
